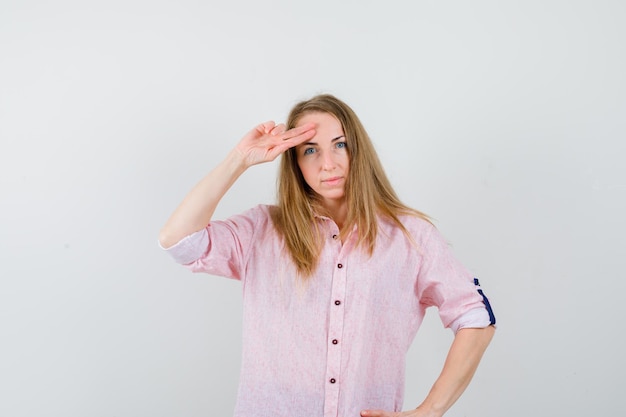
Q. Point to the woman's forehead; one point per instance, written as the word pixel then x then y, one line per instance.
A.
pixel 322 121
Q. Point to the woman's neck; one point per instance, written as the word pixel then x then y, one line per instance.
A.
pixel 338 211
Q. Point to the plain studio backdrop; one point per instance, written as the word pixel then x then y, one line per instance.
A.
pixel 503 120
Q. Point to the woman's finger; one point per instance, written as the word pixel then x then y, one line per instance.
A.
pixel 299 130
pixel 267 126
pixel 373 413
pixel 380 413
pixel 301 137
pixel 279 129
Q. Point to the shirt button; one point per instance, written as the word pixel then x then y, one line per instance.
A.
pixel 337 302
pixel 332 380
pixel 339 266
pixel 335 341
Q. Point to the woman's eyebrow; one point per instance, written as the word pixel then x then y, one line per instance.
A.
pixel 315 143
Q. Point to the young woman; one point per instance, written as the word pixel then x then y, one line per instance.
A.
pixel 336 277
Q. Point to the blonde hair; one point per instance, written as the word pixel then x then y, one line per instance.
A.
pixel 368 191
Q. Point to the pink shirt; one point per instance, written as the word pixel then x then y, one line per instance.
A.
pixel 335 344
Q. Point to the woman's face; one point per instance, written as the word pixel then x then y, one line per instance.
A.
pixel 324 159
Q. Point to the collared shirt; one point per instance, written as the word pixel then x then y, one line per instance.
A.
pixel 335 343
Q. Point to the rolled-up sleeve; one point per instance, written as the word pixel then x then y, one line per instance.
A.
pixel 445 283
pixel 189 248
pixel 477 318
pixel 222 247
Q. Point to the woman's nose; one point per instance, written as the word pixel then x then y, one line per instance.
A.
pixel 328 162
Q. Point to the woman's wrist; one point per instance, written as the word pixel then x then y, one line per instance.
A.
pixel 236 161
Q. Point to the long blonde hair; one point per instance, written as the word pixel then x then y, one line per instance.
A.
pixel 368 191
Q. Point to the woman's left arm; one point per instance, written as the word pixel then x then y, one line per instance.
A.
pixel 463 358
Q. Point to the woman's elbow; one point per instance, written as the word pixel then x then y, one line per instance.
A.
pixel 165 239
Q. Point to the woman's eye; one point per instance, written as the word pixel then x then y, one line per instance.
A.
pixel 309 151
pixel 341 145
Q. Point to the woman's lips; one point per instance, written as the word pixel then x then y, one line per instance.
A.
pixel 332 180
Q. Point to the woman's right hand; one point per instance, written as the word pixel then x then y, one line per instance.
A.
pixel 268 140
pixel 262 144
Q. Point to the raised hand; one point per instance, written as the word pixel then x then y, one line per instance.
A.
pixel 268 140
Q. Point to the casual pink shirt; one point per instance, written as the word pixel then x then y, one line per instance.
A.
pixel 335 344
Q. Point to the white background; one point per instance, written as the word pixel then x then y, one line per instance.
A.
pixel 504 120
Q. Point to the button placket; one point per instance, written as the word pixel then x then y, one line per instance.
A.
pixel 335 330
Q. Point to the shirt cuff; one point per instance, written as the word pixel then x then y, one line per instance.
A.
pixel 476 318
pixel 190 248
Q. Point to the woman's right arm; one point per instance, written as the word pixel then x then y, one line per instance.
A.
pixel 262 144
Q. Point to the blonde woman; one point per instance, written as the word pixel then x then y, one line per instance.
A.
pixel 336 277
